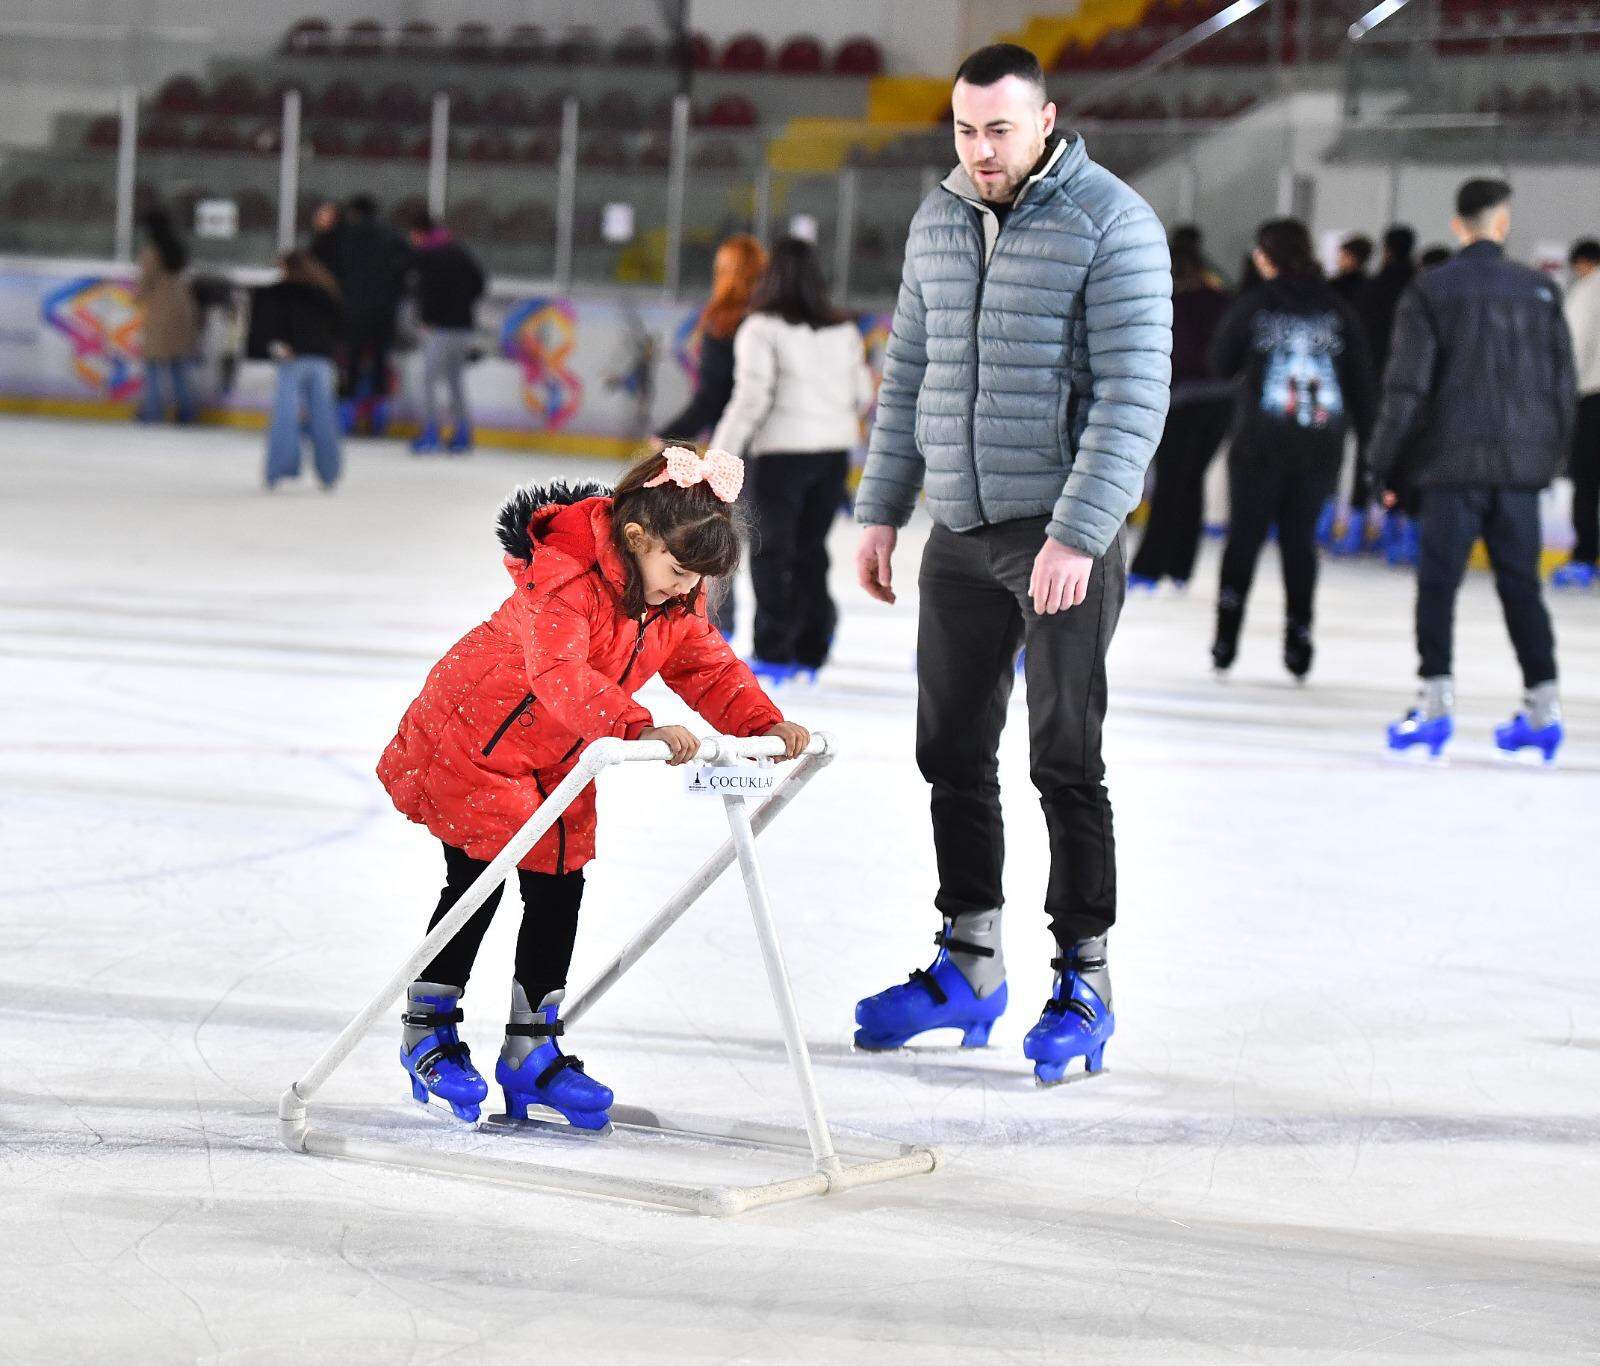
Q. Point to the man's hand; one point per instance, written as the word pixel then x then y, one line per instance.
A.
pixel 682 741
pixel 1060 577
pixel 795 738
pixel 873 556
pixel 1390 498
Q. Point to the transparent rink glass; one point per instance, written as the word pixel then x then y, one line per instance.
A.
pixel 620 234
pixel 501 198
pixel 58 203
pixel 722 194
pixel 195 188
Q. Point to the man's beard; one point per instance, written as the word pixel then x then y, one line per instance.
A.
pixel 1005 191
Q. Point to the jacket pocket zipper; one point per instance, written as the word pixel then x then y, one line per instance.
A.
pixel 506 725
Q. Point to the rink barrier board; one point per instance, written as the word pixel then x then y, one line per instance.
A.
pixel 875 1160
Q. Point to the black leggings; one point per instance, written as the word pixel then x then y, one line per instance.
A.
pixel 550 904
pixel 1286 488
pixel 796 497
pixel 1193 432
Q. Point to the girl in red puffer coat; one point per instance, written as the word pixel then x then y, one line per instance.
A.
pixel 609 592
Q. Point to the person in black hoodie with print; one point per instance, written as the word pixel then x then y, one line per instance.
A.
pixel 1303 377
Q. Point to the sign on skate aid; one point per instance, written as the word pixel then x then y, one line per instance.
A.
pixel 731 779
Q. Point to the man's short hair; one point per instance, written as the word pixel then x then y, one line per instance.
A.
pixel 1477 197
pixel 1586 250
pixel 999 60
pixel 1358 248
pixel 1399 242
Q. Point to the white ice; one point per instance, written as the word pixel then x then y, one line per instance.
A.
pixel 1350 1114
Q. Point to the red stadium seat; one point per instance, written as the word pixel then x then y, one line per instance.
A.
pixel 364 38
pixel 800 56
pixel 542 149
pixel 341 100
pixel 236 97
pixel 380 144
pixel 859 57
pixel 329 141
pixel 265 140
pixel 547 113
pixel 104 133
pixel 160 135
pixel 635 48
pixel 218 137
pixel 656 154
pixel 605 154
pixel 464 106
pixel 181 95
pixel 578 46
pixel 399 102
pixel 700 53
pixel 507 107
pixel 492 145
pixel 417 38
pixel 525 43
pixel 473 42
pixel 528 221
pixel 618 111
pixel 732 111
pixel 420 148
pixel 308 38
pixel 745 52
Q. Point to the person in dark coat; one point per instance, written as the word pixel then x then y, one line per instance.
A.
pixel 1196 424
pixel 372 266
pixel 1304 378
pixel 302 325
pixel 449 283
pixel 1396 269
pixel 1479 408
pixel 1350 280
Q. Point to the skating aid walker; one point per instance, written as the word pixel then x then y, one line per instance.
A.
pixel 879 1160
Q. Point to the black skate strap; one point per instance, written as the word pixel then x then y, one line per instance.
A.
pixel 440 1054
pixel 537 1030
pixel 429 1019
pixel 925 980
pixel 946 940
pixel 1078 964
pixel 557 1068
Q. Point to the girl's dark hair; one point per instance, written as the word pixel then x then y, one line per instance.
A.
pixel 164 238
pixel 793 286
pixel 1189 270
pixel 703 533
pixel 302 268
pixel 1286 242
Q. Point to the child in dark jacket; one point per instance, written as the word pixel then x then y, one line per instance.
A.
pixel 1303 374
pixel 609 592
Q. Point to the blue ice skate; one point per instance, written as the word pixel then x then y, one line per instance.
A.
pixel 427 440
pixel 771 672
pixel 1574 574
pixel 549 1077
pixel 1142 583
pixel 460 440
pixel 1402 539
pixel 1417 728
pixel 939 997
pixel 1354 539
pixel 1520 733
pixel 439 1064
pixel 1326 519
pixel 1075 1023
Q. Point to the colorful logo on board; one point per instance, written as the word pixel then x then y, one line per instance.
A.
pixel 99 320
pixel 539 335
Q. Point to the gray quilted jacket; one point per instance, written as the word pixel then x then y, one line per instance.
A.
pixel 1028 369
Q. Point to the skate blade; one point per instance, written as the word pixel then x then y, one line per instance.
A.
pixel 1419 756
pixel 1528 756
pixel 544 1122
pixel 439 1112
pixel 1070 1079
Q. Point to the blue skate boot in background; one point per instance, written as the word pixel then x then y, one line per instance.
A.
pixel 1077 1020
pixel 1402 539
pixel 432 1052
pixel 427 440
pixel 534 1071
pixel 1537 726
pixel 1428 723
pixel 768 671
pixel 1574 574
pixel 964 988
pixel 460 440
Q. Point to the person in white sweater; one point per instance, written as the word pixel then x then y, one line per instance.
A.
pixel 1583 318
pixel 800 387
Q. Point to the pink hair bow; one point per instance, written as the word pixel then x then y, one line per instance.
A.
pixel 723 472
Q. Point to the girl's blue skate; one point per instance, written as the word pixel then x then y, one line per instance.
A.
pixel 1520 733
pixel 1075 1023
pixel 549 1077
pixel 439 1063
pixel 938 998
pixel 1419 729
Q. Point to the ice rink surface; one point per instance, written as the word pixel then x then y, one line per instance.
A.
pixel 1351 1113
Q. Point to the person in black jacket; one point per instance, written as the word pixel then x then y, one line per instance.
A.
pixel 449 283
pixel 301 322
pixel 1351 280
pixel 1304 378
pixel 371 276
pixel 1479 404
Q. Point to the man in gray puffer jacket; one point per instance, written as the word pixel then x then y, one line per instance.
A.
pixel 1025 387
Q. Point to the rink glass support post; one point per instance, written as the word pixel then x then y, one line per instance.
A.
pixel 677 181
pixel 438 154
pixel 876 1160
pixel 566 192
pixel 127 156
pixel 844 232
pixel 289 170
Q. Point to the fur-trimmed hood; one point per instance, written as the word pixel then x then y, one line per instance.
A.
pixel 514 524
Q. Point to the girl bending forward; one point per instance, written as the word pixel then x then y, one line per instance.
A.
pixel 608 594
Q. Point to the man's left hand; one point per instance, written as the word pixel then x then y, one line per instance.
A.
pixel 1060 578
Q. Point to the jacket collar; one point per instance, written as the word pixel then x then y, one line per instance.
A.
pixel 1064 154
pixel 1483 248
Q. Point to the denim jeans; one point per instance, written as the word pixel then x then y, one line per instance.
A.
pixel 166 383
pixel 305 400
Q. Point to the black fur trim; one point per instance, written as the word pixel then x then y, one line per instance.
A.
pixel 512 522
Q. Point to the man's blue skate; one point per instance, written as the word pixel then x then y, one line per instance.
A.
pixel 1520 733
pixel 939 997
pixel 1075 1023
pixel 1418 729
pixel 553 1079
pixel 439 1064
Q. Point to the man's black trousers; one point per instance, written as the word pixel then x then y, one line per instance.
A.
pixel 975 615
pixel 1453 517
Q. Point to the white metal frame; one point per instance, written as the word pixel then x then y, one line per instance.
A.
pixel 879 1160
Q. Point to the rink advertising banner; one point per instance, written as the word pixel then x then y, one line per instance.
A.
pixel 571 372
